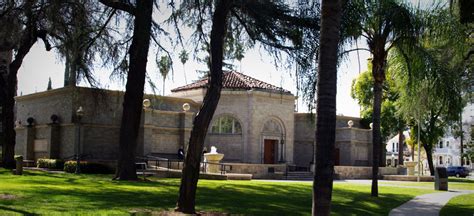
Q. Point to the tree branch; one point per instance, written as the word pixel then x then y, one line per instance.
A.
pixel 119 5
pixel 351 50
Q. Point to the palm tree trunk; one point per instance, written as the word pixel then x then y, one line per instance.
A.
pixel 326 107
pixel 378 72
pixel 164 86
pixel 376 137
pixel 133 98
pixel 190 174
pixel 400 146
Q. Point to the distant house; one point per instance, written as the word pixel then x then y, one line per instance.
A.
pixel 446 152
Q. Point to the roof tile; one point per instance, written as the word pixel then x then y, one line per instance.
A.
pixel 233 80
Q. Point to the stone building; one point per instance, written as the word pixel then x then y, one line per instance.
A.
pixel 254 123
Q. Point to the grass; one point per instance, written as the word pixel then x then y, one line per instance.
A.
pixel 459 206
pixel 41 193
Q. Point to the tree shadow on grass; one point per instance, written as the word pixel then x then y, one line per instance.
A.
pixel 283 200
pixel 108 198
pixel 12 210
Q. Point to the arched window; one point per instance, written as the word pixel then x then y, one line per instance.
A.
pixel 447 143
pixel 226 125
pixel 440 159
pixel 440 144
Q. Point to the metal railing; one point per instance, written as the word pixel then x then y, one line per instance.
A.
pixel 168 164
pixel 223 167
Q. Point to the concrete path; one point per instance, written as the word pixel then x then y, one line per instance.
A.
pixel 427 204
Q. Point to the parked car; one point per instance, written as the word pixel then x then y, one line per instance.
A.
pixel 458 171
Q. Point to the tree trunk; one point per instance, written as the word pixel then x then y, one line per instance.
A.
pixel 378 72
pixel 67 70
pixel 401 138
pixel 9 88
pixel 5 136
pixel 382 155
pixel 429 157
pixel 190 174
pixel 326 107
pixel 70 71
pixel 133 98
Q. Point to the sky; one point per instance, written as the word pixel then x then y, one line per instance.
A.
pixel 40 65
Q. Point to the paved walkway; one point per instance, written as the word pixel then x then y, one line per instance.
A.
pixel 427 204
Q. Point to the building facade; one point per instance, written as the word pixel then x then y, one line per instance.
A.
pixel 254 123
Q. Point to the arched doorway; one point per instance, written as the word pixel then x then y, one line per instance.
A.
pixel 273 137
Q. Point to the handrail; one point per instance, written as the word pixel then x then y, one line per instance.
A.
pixel 224 168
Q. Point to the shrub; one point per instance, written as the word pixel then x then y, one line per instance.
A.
pixel 50 163
pixel 87 167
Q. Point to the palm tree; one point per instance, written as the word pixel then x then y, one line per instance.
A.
pixel 183 57
pixel 384 25
pixel 326 106
pixel 164 65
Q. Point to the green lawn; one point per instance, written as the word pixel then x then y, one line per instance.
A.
pixel 50 194
pixel 459 206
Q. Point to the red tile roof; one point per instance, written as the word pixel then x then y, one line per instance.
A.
pixel 234 80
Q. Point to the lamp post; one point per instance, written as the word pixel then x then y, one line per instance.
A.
pixel 79 114
pixel 419 148
pixel 282 142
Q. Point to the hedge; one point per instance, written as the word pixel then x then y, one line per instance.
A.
pixel 50 163
pixel 87 167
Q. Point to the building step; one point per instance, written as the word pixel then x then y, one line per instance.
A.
pixel 299 176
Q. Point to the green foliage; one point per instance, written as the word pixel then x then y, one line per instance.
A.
pixel 432 88
pixel 50 163
pixel 87 167
pixel 183 56
pixel 362 91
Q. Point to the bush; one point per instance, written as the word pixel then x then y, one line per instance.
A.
pixel 87 167
pixel 50 163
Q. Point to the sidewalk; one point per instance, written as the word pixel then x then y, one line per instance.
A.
pixel 427 204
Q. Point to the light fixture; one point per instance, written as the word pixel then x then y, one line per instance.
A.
pixel 186 107
pixel 146 103
pixel 350 123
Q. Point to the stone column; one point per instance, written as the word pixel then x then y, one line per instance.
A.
pixel 54 139
pixel 182 130
pixel 30 142
pixel 19 165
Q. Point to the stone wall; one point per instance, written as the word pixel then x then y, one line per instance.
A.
pixel 252 109
pixel 360 172
pixel 353 144
pixel 258 171
pixel 162 130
